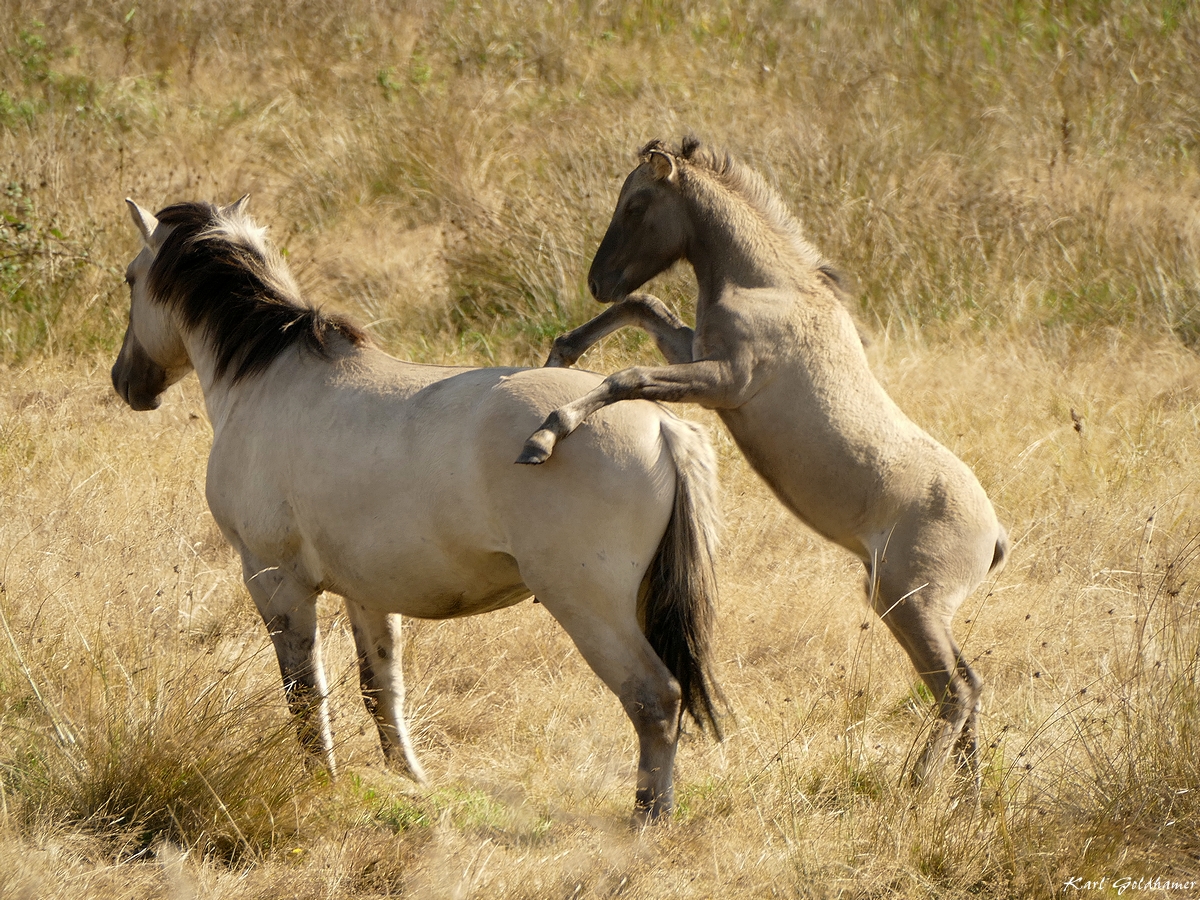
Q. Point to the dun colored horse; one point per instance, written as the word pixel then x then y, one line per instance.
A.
pixel 777 355
pixel 336 467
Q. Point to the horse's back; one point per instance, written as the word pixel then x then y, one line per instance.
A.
pixel 396 480
pixel 608 493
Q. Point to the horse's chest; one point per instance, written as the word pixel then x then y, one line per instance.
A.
pixel 820 472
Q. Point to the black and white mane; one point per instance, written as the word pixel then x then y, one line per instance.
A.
pixel 219 273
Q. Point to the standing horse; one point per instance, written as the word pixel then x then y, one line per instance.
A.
pixel 336 467
pixel 777 355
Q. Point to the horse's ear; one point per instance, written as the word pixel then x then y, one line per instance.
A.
pixel 238 206
pixel 663 165
pixel 145 222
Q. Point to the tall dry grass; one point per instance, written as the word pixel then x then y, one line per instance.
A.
pixel 1012 187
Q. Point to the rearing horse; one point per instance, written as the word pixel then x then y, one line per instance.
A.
pixel 336 467
pixel 776 354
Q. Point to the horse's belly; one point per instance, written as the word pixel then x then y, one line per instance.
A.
pixel 464 603
pixel 431 585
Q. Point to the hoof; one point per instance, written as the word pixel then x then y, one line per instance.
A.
pixel 537 449
pixel 560 357
pixel 649 810
pixel 409 769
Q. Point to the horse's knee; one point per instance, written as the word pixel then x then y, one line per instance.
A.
pixel 623 385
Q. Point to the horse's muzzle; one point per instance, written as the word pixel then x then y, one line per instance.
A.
pixel 605 293
pixel 138 397
pixel 137 378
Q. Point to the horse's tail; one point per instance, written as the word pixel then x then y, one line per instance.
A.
pixel 1000 554
pixel 681 585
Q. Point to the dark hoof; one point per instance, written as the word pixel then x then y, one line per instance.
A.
pixel 650 810
pixel 537 449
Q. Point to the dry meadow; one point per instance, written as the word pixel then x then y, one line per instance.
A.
pixel 1013 188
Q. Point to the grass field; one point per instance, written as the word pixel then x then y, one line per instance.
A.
pixel 1013 188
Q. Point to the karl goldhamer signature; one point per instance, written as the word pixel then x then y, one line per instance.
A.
pixel 1123 883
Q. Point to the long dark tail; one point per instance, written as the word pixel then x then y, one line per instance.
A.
pixel 680 605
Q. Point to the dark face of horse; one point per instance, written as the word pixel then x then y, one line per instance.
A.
pixel 648 233
pixel 137 378
pixel 152 356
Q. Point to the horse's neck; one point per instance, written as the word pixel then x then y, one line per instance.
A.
pixel 216 391
pixel 733 246
pixel 222 392
pixel 293 372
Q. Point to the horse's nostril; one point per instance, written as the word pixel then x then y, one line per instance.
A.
pixel 593 286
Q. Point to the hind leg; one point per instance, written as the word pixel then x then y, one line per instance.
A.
pixel 379 641
pixel 289 608
pixel 919 618
pixel 609 638
pixel 966 748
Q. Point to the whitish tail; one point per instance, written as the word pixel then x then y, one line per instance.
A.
pixel 681 584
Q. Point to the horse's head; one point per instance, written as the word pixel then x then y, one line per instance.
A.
pixel 153 356
pixel 649 230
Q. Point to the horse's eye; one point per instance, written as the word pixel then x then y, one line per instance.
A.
pixel 636 209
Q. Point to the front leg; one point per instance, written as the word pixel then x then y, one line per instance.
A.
pixel 645 311
pixel 289 609
pixel 379 640
pixel 716 384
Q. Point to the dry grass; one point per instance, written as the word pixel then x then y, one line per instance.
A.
pixel 1013 188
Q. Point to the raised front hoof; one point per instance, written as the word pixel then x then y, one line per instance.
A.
pixel 537 449
pixel 559 360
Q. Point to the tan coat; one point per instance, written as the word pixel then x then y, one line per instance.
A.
pixel 777 355
pixel 336 467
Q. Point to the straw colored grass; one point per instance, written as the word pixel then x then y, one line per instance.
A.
pixel 1012 188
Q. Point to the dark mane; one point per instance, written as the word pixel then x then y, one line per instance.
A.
pixel 219 274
